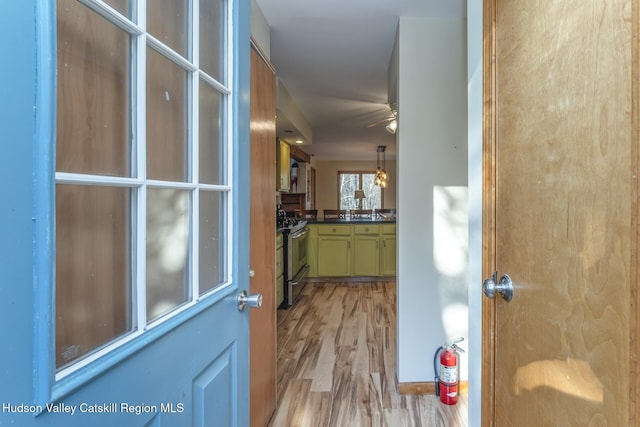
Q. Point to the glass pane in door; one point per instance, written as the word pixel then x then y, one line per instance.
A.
pixel 122 6
pixel 167 250
pixel 167 21
pixel 213 38
pixel 93 269
pixel 166 119
pixel 93 110
pixel 212 240
pixel 211 147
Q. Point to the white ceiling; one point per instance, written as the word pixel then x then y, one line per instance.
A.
pixel 333 57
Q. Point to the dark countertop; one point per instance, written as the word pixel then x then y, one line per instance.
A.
pixel 351 221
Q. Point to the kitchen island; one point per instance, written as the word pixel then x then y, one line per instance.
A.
pixel 351 247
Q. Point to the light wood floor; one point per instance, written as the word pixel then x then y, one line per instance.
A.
pixel 337 362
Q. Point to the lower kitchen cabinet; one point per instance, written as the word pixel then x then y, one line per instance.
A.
pixel 388 255
pixel 312 251
pixel 366 250
pixel 366 255
pixel 334 256
pixel 346 250
pixel 279 269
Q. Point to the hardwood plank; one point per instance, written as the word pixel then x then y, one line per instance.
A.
pixel 337 362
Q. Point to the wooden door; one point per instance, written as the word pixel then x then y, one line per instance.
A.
pixel 561 98
pixel 263 234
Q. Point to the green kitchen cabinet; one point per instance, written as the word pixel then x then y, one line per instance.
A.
pixel 334 256
pixel 312 250
pixel 334 250
pixel 388 250
pixel 279 269
pixel 351 250
pixel 283 171
pixel 366 258
pixel 366 255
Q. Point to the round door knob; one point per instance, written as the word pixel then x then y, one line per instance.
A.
pixel 252 301
pixel 504 287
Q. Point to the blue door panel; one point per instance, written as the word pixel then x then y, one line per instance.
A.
pixel 17 126
pixel 171 382
pixel 213 391
pixel 195 371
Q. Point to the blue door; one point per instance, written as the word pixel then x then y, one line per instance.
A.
pixel 124 216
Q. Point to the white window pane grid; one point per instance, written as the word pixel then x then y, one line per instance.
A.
pixel 140 186
pixel 349 182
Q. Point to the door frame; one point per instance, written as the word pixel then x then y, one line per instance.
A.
pixel 489 163
pixel 488 208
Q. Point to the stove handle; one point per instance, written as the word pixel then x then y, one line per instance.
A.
pixel 300 233
pixel 302 274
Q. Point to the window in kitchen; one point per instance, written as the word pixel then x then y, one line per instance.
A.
pixel 349 182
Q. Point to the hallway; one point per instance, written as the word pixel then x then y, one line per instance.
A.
pixel 337 364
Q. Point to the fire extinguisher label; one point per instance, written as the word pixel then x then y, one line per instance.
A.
pixel 449 374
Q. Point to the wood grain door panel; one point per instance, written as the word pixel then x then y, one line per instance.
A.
pixel 560 211
pixel 263 233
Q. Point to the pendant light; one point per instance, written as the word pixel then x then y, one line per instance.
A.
pixel 382 178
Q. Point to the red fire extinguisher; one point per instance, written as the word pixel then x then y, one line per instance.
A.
pixel 448 376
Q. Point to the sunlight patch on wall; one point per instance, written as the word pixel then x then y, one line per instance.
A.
pixel 450 258
pixel 450 230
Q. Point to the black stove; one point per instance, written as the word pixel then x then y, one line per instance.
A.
pixel 295 256
pixel 289 223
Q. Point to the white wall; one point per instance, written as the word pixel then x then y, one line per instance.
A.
pixel 286 106
pixel 474 81
pixel 260 29
pixel 432 180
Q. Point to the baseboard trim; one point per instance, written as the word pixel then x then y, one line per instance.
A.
pixel 426 387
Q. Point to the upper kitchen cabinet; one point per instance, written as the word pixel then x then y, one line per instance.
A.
pixel 293 133
pixel 283 177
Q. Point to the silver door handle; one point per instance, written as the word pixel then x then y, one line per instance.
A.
pixel 504 287
pixel 253 300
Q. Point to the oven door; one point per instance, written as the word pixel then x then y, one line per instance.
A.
pixel 298 250
pixel 298 263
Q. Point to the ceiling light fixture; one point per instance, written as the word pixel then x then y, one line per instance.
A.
pixel 382 178
pixel 392 126
pixel 299 141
